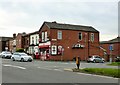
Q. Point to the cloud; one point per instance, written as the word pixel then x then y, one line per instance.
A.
pixel 30 14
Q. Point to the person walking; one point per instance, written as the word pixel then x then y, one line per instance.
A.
pixel 78 62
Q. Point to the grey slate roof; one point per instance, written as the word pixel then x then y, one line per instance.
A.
pixel 111 41
pixel 55 25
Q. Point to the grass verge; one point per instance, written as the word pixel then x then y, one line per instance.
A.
pixel 114 64
pixel 100 71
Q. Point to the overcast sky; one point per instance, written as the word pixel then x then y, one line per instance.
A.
pixel 17 16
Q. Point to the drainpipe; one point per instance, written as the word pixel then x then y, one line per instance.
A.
pixel 88 45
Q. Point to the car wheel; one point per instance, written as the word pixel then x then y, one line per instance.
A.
pixel 30 60
pixel 22 60
pixel 94 61
pixel 103 61
pixel 13 59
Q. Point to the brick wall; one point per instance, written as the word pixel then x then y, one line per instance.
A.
pixel 69 38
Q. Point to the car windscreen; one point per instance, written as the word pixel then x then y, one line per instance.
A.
pixel 7 53
pixel 23 54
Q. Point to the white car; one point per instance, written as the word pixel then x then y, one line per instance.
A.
pixel 21 57
pixel 6 54
pixel 96 59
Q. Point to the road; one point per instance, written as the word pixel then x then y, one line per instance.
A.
pixel 50 72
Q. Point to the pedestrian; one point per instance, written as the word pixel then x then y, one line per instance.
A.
pixel 78 62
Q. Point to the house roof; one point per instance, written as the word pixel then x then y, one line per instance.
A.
pixel 5 38
pixel 36 32
pixel 55 25
pixel 115 40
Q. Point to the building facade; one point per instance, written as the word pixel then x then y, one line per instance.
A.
pixel 111 48
pixel 33 42
pixel 16 42
pixel 4 43
pixel 26 43
pixel 65 41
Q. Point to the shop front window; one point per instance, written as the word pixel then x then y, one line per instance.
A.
pixel 54 50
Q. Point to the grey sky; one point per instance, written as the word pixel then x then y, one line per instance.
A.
pixel 28 15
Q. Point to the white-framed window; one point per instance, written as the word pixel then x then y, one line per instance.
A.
pixel 92 36
pixel 80 36
pixel 43 36
pixel 54 50
pixel 32 40
pixel 36 40
pixel 59 34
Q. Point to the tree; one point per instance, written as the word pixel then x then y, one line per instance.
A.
pixel 20 50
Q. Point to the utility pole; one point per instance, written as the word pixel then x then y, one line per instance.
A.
pixel 88 44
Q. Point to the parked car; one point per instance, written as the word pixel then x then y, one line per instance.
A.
pixel 20 56
pixel 117 59
pixel 96 59
pixel 6 54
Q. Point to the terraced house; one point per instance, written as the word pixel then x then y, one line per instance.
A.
pixel 66 41
pixel 115 51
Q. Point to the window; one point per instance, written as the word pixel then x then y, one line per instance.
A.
pixel 36 40
pixel 59 34
pixel 43 36
pixel 32 40
pixel 80 36
pixel 54 50
pixel 92 36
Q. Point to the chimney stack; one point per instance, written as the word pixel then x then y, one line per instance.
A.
pixel 14 35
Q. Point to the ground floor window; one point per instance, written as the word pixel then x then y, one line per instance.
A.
pixel 54 50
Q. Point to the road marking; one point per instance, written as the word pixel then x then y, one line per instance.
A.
pixel 50 69
pixel 58 70
pixel 7 65
pixel 97 75
pixel 44 68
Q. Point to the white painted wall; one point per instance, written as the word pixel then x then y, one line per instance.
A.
pixel 35 39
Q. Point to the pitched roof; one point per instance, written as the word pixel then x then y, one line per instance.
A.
pixel 55 25
pixel 115 40
pixel 32 33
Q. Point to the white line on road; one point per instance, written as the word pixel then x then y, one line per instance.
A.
pixel 96 75
pixel 58 70
pixel 50 69
pixel 7 65
pixel 44 68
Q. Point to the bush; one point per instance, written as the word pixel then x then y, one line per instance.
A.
pixel 20 50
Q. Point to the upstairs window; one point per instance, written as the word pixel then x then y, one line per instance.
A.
pixel 80 36
pixel 43 37
pixel 36 40
pixel 59 35
pixel 46 36
pixel 92 36
pixel 32 40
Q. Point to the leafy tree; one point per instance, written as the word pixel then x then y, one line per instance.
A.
pixel 20 50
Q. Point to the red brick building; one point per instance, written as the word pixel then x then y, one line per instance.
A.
pixel 4 45
pixel 66 41
pixel 115 43
pixel 26 42
pixel 16 42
